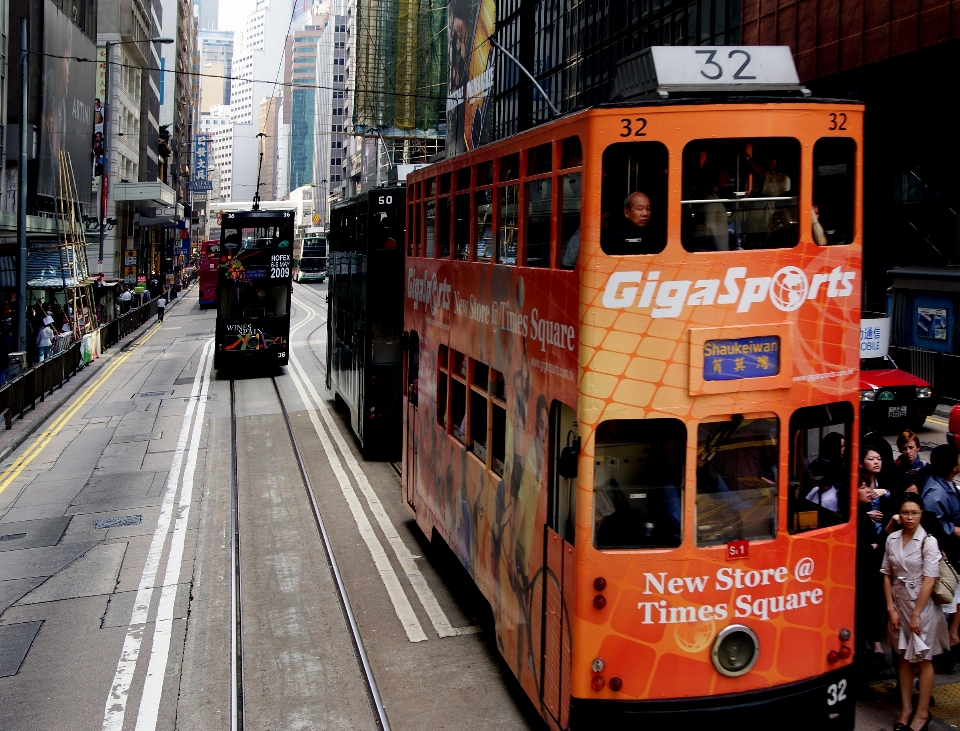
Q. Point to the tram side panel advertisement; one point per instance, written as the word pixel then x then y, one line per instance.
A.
pixel 662 617
pixel 471 74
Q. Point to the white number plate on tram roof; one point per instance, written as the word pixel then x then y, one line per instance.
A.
pixel 699 68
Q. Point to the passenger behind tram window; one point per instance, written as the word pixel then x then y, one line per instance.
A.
pixel 634 199
pixel 834 191
pixel 752 182
pixel 824 491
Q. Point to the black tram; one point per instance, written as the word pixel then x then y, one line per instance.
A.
pixel 365 268
pixel 254 286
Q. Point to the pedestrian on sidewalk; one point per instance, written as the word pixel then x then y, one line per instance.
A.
pixel 44 341
pixel 917 630
pixel 161 306
pixel 6 347
pixel 125 298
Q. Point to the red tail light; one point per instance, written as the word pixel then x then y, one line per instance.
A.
pixel 599 583
pixel 616 684
pixel 596 683
pixel 833 657
pixel 599 601
pixel 845 652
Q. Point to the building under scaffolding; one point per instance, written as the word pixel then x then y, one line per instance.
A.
pixel 401 72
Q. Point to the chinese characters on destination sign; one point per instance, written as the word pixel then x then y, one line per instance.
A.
pixel 731 360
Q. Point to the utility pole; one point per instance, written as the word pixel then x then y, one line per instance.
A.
pixel 256 195
pixel 104 175
pixel 22 196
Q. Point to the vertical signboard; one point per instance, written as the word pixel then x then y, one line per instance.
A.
pixel 69 93
pixel 201 155
pixel 471 69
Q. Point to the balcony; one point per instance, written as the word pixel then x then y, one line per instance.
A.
pixel 137 192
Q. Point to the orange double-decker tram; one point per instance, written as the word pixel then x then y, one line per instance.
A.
pixel 632 387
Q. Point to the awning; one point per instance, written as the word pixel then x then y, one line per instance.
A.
pixel 50 268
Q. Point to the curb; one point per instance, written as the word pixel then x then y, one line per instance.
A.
pixel 79 381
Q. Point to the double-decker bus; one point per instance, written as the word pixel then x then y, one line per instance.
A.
pixel 311 260
pixel 254 287
pixel 209 266
pixel 631 375
pixel 365 318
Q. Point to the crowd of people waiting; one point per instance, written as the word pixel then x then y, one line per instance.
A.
pixel 908 522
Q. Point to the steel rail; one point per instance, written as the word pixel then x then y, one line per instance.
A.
pixel 236 636
pixel 374 693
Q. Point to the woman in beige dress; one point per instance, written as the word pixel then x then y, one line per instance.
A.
pixel 917 631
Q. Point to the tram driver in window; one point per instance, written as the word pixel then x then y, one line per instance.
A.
pixel 634 234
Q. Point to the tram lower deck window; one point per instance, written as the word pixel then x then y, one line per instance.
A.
pixel 819 469
pixel 638 483
pixel 737 480
pixel 740 194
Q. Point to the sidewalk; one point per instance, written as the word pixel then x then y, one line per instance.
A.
pixel 22 429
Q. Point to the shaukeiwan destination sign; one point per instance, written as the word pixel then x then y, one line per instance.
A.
pixel 732 360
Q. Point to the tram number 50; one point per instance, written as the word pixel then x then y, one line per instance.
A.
pixel 385 200
pixel 836 692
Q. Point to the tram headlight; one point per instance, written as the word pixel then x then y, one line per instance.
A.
pixel 868 395
pixel 735 651
pixel 924 392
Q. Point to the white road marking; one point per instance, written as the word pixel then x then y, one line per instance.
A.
pixel 406 559
pixel 401 604
pixel 116 705
pixel 163 626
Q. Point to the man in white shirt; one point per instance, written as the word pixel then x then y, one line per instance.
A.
pixel 125 298
pixel 161 306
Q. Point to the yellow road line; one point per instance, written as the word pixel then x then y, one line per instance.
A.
pixel 21 463
pixel 938 420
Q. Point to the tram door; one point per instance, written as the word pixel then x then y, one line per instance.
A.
pixel 410 438
pixel 558 586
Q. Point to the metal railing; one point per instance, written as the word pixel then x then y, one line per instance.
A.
pixel 22 393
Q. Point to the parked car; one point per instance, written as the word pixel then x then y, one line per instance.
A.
pixel 888 394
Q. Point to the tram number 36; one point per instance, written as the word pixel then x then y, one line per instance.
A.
pixel 836 692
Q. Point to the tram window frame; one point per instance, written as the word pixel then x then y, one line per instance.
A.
pixel 568 247
pixel 461 226
pixel 545 222
pixel 503 240
pixel 649 176
pixel 463 178
pixel 478 420
pixel 484 174
pixel 509 167
pixel 835 220
pixel 540 160
pixel 571 153
pixel 485 231
pixel 754 220
pixel 443 244
pixel 442 386
pixel 725 499
pixel 459 425
pixel 624 520
pixel 806 460
pixel 444 183
pixel 411 228
pixel 430 188
pixel 429 228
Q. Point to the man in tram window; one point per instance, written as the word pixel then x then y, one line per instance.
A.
pixel 634 234
pixel 824 491
pixel 713 233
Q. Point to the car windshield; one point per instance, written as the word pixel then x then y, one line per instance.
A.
pixel 877 364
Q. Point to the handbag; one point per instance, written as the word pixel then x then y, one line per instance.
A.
pixel 946 586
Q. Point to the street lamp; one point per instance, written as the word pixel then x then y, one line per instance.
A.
pixel 106 135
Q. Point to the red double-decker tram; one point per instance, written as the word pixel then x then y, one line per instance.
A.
pixel 631 371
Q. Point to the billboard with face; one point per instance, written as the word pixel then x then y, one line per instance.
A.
pixel 69 92
pixel 471 71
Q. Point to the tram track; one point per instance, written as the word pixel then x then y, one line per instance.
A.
pixel 376 706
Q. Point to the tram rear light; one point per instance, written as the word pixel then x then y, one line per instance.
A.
pixel 845 635
pixel 596 683
pixel 833 657
pixel 845 652
pixel 599 601
pixel 616 684
pixel 599 583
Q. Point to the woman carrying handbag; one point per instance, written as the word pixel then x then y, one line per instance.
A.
pixel 917 630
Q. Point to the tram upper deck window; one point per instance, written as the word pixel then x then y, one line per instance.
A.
pixel 740 194
pixel 247 239
pixel 634 198
pixel 443 227
pixel 461 226
pixel 568 224
pixel 540 159
pixel 571 153
pixel 819 468
pixel 431 221
pixel 510 167
pixel 538 220
pixel 483 205
pixel 463 179
pixel 737 480
pixel 638 483
pixel 834 190
pixel 507 229
pixel 485 173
